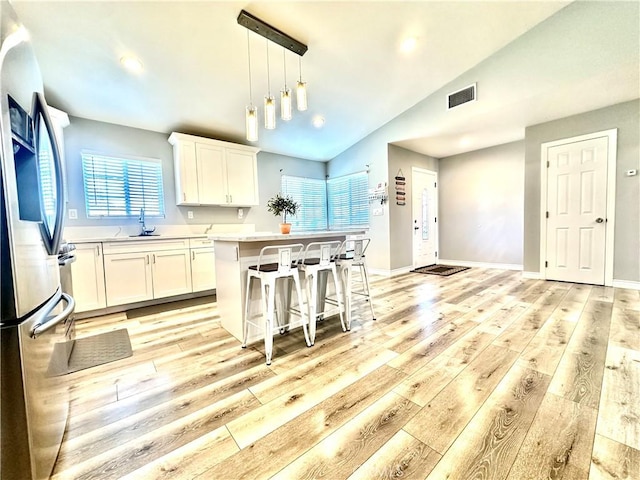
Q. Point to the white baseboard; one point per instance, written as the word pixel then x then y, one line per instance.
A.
pixel 400 271
pixel 457 263
pixel 379 271
pixel 461 263
pixel 631 285
pixel 628 284
pixel 532 275
pixel 390 273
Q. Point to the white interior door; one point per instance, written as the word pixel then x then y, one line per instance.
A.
pixel 577 211
pixel 424 206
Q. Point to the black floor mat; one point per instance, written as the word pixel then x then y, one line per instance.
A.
pixel 442 270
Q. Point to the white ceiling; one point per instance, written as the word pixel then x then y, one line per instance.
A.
pixel 195 77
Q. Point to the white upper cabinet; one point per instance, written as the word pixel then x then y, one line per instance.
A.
pixel 212 187
pixel 212 172
pixel 241 169
pixel 186 172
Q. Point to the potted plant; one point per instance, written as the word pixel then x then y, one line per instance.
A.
pixel 281 206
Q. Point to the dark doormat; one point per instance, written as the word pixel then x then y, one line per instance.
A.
pixel 442 270
pixel 90 352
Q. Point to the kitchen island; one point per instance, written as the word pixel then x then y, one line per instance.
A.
pixel 235 253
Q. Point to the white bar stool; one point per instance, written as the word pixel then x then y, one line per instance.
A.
pixel 268 274
pixel 352 255
pixel 316 271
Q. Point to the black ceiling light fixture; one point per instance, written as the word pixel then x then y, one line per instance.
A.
pixel 254 24
pixel 271 33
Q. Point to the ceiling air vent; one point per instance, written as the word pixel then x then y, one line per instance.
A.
pixel 463 96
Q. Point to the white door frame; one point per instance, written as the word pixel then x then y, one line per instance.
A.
pixel 611 197
pixel 437 209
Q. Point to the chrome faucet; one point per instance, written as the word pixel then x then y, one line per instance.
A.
pixel 143 228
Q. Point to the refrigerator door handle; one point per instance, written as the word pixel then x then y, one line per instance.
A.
pixel 40 328
pixel 52 235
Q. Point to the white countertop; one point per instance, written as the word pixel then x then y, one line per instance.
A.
pixel 114 233
pixel 268 236
pixel 135 238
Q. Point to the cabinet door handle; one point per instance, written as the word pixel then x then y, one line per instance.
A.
pixel 154 258
pixel 193 255
pixel 97 250
pixel 147 257
pixel 184 196
pixel 230 198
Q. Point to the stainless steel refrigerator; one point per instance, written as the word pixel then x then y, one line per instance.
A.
pixel 35 317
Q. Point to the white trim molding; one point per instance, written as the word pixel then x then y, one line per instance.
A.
pixel 389 273
pixel 629 284
pixel 436 226
pixel 532 275
pixel 611 197
pixel 462 263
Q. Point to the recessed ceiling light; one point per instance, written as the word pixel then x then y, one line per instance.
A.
pixel 131 63
pixel 408 45
pixel 465 141
pixel 318 121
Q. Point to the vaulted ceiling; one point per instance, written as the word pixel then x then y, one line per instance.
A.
pixel 195 67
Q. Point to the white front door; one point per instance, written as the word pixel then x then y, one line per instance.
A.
pixel 424 207
pixel 577 211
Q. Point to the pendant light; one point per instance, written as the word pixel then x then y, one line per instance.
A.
pixel 301 90
pixel 269 102
pixel 251 113
pixel 285 93
pixel 272 34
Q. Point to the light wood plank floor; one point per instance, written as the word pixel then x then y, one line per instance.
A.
pixel 481 375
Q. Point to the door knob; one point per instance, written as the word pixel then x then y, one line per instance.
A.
pixel 599 220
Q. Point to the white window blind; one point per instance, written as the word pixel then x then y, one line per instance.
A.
pixel 311 195
pixel 348 201
pixel 120 187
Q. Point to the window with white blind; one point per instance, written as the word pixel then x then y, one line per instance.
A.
pixel 120 187
pixel 311 195
pixel 348 201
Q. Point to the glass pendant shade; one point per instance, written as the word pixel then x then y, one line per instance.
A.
pixel 285 104
pixel 301 96
pixel 269 112
pixel 251 117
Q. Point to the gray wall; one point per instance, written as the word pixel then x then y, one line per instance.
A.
pixel 83 134
pixel 481 196
pixel 270 168
pixel 400 217
pixel 626 118
pixel 372 152
pixel 579 43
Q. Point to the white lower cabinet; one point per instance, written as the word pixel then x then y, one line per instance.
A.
pixel 160 269
pixel 87 273
pixel 171 273
pixel 128 278
pixel 117 273
pixel 203 265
